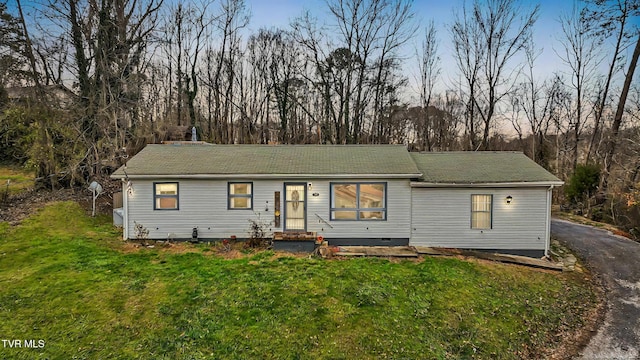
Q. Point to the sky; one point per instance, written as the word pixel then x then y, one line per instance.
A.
pixel 547 30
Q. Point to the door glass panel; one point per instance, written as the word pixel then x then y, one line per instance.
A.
pixel 295 211
pixel 295 192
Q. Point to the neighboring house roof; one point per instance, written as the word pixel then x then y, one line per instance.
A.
pixel 484 167
pixel 270 161
pixel 56 93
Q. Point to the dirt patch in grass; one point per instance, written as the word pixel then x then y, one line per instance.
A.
pixel 23 200
pixel 235 250
pixel 129 247
pixel 22 205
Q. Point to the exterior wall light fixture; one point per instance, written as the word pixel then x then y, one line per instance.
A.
pixel 509 198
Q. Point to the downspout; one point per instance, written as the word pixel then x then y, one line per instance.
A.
pixel 125 210
pixel 547 240
pixel 411 232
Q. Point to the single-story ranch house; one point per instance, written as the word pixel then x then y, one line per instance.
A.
pixel 348 194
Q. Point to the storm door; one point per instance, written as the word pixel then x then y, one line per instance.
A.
pixel 295 206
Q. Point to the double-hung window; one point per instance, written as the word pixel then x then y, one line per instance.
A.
pixel 165 196
pixel 358 201
pixel 481 211
pixel 240 196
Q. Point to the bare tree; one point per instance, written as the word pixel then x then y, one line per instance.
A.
pixel 221 68
pixel 187 26
pixel 284 80
pixel 354 69
pixel 469 55
pixel 560 107
pixel 14 42
pixel 109 40
pixel 260 57
pixel 29 50
pixel 580 54
pixel 536 101
pixel 486 38
pixel 612 19
pixel 617 120
pixel 397 28
pixel 429 65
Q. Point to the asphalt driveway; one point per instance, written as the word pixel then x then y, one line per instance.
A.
pixel 617 261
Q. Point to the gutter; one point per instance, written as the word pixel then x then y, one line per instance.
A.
pixel 269 176
pixel 487 185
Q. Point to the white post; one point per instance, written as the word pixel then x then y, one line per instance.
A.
pixel 93 212
pixel 96 189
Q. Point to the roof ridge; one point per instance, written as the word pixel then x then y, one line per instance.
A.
pixel 291 145
pixel 467 152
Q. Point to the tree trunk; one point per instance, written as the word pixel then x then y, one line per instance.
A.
pixel 617 120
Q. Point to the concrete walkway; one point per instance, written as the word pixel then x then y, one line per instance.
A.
pixel 617 261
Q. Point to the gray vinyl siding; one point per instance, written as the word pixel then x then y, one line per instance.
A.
pixel 441 218
pixel 203 204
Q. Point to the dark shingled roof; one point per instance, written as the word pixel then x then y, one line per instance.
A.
pixel 466 167
pixel 267 160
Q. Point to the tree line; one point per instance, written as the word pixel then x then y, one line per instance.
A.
pixel 87 83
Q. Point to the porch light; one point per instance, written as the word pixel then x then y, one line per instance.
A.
pixel 509 198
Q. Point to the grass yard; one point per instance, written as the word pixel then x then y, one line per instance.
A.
pixel 65 278
pixel 19 179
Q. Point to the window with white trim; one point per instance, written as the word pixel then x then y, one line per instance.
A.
pixel 481 211
pixel 358 201
pixel 240 196
pixel 165 196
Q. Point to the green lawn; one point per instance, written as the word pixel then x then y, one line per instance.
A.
pixel 65 279
pixel 19 179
